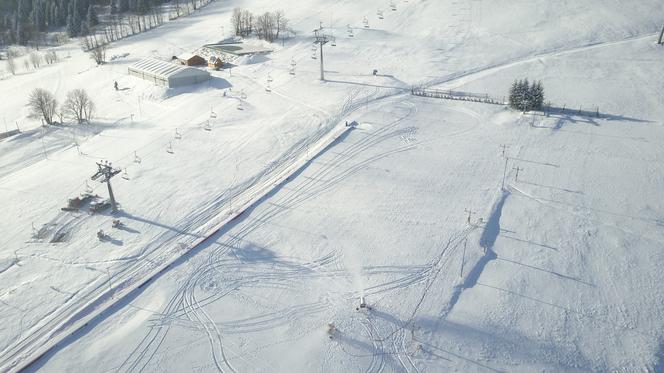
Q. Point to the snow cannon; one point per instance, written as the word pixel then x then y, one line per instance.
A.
pixel 363 305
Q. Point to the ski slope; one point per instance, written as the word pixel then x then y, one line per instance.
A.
pixel 560 274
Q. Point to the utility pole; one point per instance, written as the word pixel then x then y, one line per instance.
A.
pixel 505 172
pixel 504 148
pixel 517 169
pixel 106 172
pixel 470 214
pixel 321 39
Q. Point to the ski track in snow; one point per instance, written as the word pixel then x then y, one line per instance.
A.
pixel 342 166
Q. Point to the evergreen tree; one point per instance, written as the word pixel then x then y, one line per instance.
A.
pixel 61 18
pixel 513 99
pixel 85 29
pixel 91 17
pixel 22 29
pixel 524 95
pixel 82 6
pixel 123 5
pixel 537 94
pixel 114 8
pixel 73 20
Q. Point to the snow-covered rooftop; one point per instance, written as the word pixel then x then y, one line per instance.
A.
pixel 158 67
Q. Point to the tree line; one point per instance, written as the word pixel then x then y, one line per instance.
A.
pixel 525 96
pixel 24 22
pixel 268 26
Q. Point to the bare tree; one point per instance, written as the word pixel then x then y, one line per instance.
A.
pixel 51 57
pixel 247 23
pixel 35 60
pixel 236 20
pixel 243 22
pixel 281 23
pixel 79 105
pixel 42 104
pixel 96 48
pixel 11 62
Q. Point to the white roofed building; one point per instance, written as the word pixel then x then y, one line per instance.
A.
pixel 167 74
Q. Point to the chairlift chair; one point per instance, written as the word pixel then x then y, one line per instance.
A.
pixel 88 189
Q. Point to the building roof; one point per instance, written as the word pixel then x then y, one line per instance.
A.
pixel 188 56
pixel 165 69
pixel 157 67
pixel 239 49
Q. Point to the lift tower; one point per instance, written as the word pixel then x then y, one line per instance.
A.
pixel 321 39
pixel 105 173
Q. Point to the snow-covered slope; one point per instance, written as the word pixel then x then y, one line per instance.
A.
pixel 561 274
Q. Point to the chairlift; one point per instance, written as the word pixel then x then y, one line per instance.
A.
pixel 243 95
pixel 293 63
pixel 137 159
pixel 334 42
pixel 207 126
pixel 239 106
pixel 125 175
pixel 170 148
pixel 314 56
pixel 291 71
pixel 88 189
pixel 269 78
pixel 268 89
pixel 212 113
pixel 178 136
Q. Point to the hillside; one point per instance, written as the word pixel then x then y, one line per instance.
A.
pixel 556 269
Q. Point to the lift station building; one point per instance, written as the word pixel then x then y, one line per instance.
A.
pixel 167 74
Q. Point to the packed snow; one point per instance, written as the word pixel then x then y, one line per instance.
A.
pixel 259 208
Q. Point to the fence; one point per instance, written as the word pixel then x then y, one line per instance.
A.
pixel 548 109
pixel 456 95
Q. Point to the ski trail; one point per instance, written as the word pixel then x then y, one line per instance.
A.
pixel 471 75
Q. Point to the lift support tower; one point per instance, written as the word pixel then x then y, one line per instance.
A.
pixel 322 39
pixel 105 173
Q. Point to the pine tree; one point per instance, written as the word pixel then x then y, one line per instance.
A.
pixel 61 19
pixel 22 31
pixel 91 17
pixel 123 5
pixel 114 8
pixel 73 20
pixel 513 99
pixel 85 29
pixel 537 94
pixel 524 95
